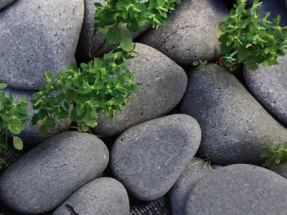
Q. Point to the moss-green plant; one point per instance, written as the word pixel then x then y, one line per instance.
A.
pixel 200 64
pixel 245 39
pixel 12 119
pixel 275 155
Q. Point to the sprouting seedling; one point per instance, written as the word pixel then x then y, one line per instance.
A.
pixel 200 64
pixel 229 58
pixel 207 159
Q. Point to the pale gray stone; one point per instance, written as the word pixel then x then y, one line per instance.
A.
pixel 31 134
pixel 235 127
pixel 281 170
pixel 38 36
pixel 163 85
pixel 47 175
pixel 149 158
pixel 103 196
pixel 239 189
pixel 5 3
pixel 189 177
pixel 191 31
pixel 268 85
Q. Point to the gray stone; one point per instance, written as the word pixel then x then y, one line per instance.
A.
pixel 5 3
pixel 239 189
pixel 235 127
pixel 31 134
pixel 281 170
pixel 89 45
pixel 163 85
pixel 149 158
pixel 47 175
pixel 268 85
pixel 103 196
pixel 191 31
pixel 37 37
pixel 188 178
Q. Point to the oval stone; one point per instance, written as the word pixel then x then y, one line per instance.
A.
pixel 149 158
pixel 105 196
pixel 47 175
pixel 5 3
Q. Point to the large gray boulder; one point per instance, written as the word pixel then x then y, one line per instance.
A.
pixel 5 3
pixel 31 134
pixel 149 158
pixel 281 169
pixel 268 85
pixel 191 31
pixel 103 196
pixel 235 127
pixel 179 193
pixel 47 175
pixel 163 85
pixel 239 189
pixel 37 37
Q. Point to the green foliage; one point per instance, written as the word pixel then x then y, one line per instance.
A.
pixel 275 155
pixel 12 118
pixel 97 86
pixel 253 41
pixel 200 64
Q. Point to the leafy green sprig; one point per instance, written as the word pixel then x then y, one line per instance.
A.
pixel 254 41
pixel 12 119
pixel 275 155
pixel 97 86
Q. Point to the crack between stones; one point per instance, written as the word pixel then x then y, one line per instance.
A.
pixel 70 209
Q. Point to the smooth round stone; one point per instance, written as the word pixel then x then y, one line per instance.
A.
pixel 41 40
pixel 30 133
pixel 239 189
pixel 190 33
pixel 5 3
pixel 47 175
pixel 189 177
pixel 103 196
pixel 268 85
pixel 163 85
pixel 281 170
pixel 235 127
pixel 149 158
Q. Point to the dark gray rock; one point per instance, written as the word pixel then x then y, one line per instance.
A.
pixel 235 127
pixel 191 31
pixel 40 40
pixel 103 196
pixel 268 85
pixel 5 3
pixel 239 189
pixel 149 158
pixel 92 45
pixel 189 177
pixel 31 134
pixel 47 175
pixel 163 85
pixel 281 170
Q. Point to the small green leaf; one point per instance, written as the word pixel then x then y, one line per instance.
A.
pixel 113 35
pixel 2 161
pixel 3 85
pixel 43 131
pixel 50 122
pixel 195 63
pixel 127 42
pixel 17 143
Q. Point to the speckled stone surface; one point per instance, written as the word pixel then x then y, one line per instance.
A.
pixel 41 39
pixel 31 134
pixel 149 158
pixel 268 85
pixel 239 189
pixel 5 3
pixel 185 183
pixel 191 31
pixel 281 170
pixel 232 121
pixel 86 44
pixel 47 175
pixel 103 196
pixel 163 85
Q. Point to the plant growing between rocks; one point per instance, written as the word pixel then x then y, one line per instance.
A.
pixel 275 155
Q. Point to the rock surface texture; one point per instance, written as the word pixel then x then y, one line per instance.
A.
pixel 5 3
pixel 235 127
pixel 41 37
pixel 163 85
pixel 103 196
pixel 190 33
pixel 47 175
pixel 149 158
pixel 268 85
pixel 239 189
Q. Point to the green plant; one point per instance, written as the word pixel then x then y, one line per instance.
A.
pixel 12 119
pixel 249 40
pixel 200 64
pixel 275 155
pixel 207 159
